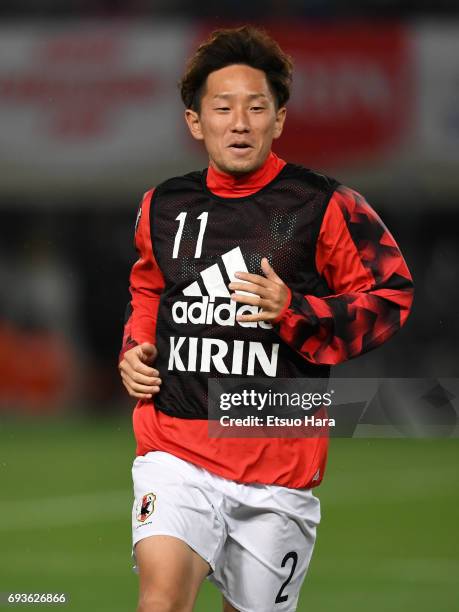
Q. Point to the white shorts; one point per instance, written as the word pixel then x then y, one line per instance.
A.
pixel 258 539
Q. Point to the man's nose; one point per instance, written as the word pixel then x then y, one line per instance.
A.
pixel 240 121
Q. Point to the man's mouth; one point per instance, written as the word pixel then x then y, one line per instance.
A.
pixel 239 146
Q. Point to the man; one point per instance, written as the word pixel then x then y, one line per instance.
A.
pixel 317 279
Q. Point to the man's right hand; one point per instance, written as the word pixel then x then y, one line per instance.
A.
pixel 139 378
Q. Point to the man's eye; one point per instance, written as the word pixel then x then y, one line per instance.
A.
pixel 258 108
pixel 222 108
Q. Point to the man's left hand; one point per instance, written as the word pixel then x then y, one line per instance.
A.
pixel 271 293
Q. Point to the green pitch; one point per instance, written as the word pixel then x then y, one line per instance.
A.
pixel 388 539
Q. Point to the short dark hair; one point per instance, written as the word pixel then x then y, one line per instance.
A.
pixel 245 45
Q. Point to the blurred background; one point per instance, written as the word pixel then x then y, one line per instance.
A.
pixel 90 119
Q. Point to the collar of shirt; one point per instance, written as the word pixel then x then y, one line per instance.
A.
pixel 228 186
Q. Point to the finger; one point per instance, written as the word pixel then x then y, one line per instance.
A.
pixel 135 365
pixel 148 347
pixel 138 387
pixel 136 395
pixel 144 389
pixel 252 278
pixel 145 380
pixel 269 270
pixel 148 352
pixel 252 300
pixel 261 316
pixel 132 382
pixel 251 288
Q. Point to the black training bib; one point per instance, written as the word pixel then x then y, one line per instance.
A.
pixel 199 240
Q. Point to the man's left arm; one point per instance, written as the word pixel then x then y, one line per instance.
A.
pixel 371 284
pixel 371 287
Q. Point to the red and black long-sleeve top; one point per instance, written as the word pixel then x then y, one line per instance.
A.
pixel 370 299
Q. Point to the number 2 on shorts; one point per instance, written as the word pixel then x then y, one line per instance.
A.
pixel 291 555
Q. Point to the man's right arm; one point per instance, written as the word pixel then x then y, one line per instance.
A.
pixel 146 284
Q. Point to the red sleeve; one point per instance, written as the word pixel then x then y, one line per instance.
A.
pixel 371 284
pixel 146 285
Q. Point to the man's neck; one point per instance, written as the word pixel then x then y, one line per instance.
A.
pixel 228 185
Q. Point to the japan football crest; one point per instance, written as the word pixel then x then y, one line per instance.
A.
pixel 146 507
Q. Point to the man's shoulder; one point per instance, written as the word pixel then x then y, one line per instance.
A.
pixel 312 177
pixel 188 180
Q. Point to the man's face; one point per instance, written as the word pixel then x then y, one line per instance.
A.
pixel 238 119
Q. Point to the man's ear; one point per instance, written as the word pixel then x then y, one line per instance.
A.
pixel 194 123
pixel 281 114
